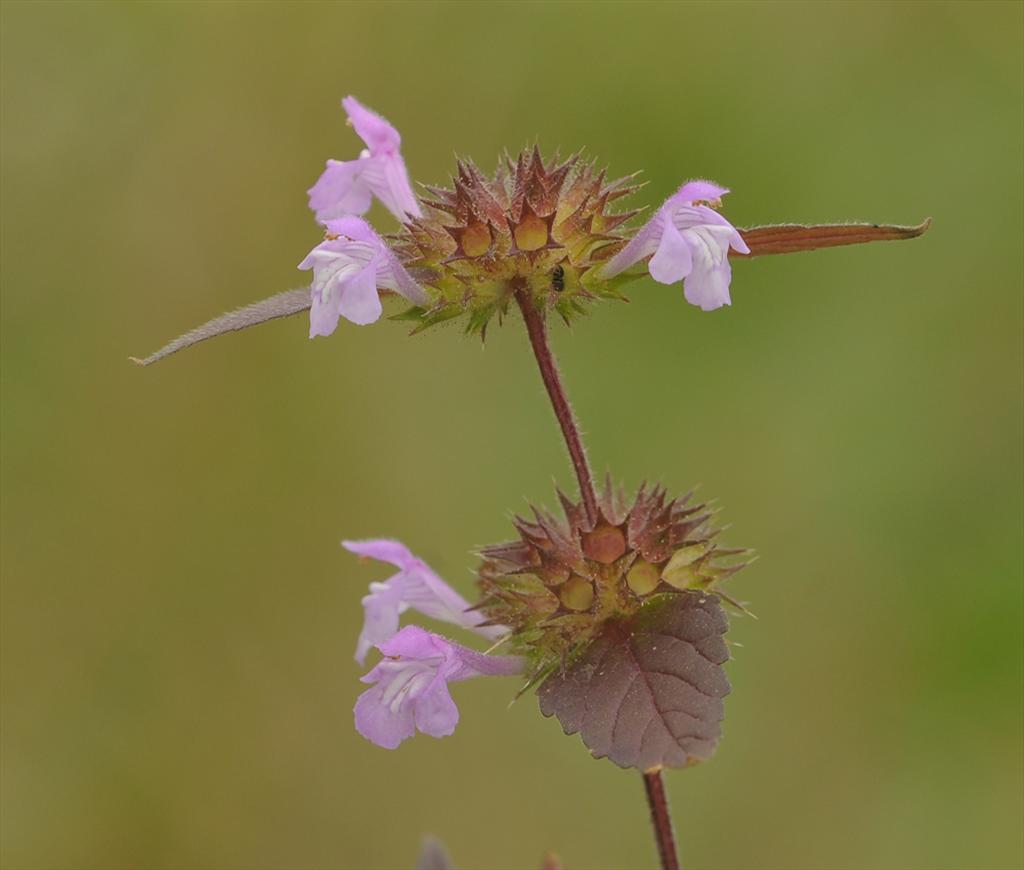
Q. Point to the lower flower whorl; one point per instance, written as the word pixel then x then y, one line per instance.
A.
pixel 563 580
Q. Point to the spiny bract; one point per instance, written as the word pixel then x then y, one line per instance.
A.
pixel 542 227
pixel 563 581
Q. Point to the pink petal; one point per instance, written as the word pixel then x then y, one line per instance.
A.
pixel 383 550
pixel 381 611
pixel 709 288
pixel 699 189
pixel 396 192
pixel 378 134
pixel 414 642
pixel 348 273
pixel 348 187
pixel 392 274
pixel 673 261
pixel 436 713
pixel 359 301
pixel 737 243
pixel 340 190
pixel 323 318
pixel 354 228
pixel 386 176
pixel 644 243
pixel 419 588
pixel 410 688
pixel 381 724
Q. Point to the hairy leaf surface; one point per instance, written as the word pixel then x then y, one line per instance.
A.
pixel 648 691
pixel 791 238
pixel 282 305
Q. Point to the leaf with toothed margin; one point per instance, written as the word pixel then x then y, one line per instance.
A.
pixel 282 305
pixel 647 692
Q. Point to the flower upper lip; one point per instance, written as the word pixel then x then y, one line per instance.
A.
pixel 348 186
pixel 686 240
pixel 414 587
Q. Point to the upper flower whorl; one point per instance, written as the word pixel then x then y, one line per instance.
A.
pixel 533 225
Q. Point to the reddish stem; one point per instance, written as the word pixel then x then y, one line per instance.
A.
pixel 658 802
pixel 538 333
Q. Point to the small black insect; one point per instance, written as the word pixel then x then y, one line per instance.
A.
pixel 558 279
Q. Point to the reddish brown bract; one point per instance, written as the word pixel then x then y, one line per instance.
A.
pixel 564 579
pixel 486 237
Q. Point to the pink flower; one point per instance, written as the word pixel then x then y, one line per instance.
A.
pixel 410 686
pixel 690 242
pixel 414 587
pixel 347 187
pixel 348 271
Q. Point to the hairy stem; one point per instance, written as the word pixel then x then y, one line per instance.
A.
pixel 538 333
pixel 662 821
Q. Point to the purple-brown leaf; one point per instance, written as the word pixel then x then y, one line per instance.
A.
pixel 648 691
pixel 791 238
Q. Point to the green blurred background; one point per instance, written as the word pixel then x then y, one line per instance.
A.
pixel 178 618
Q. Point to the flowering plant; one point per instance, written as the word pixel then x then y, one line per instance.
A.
pixel 614 610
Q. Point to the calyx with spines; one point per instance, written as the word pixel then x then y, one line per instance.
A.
pixel 565 579
pixel 542 226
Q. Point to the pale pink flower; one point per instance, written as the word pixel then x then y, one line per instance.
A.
pixel 410 691
pixel 415 586
pixel 689 242
pixel 347 187
pixel 349 270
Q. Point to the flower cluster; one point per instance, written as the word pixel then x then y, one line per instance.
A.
pixel 562 588
pixel 610 597
pixel 410 685
pixel 547 231
pixel 561 583
pixel 614 610
pixel 545 227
